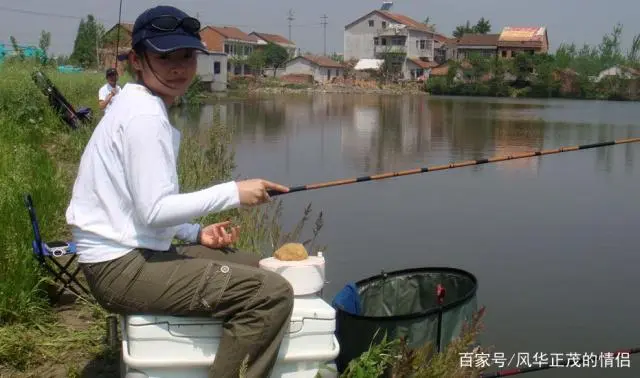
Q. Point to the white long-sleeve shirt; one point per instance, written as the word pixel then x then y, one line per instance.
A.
pixel 126 194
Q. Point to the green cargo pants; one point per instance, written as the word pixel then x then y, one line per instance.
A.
pixel 255 304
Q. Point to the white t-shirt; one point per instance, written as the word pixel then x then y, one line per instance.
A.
pixel 126 194
pixel 104 92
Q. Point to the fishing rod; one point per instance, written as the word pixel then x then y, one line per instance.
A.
pixel 118 35
pixel 273 192
pixel 511 372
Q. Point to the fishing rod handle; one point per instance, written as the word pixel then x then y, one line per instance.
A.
pixel 273 192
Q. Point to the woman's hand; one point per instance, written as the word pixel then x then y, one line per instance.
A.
pixel 254 192
pixel 216 235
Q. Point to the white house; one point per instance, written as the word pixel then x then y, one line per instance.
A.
pixel 321 68
pixel 212 70
pixel 380 32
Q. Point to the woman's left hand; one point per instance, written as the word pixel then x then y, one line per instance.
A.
pixel 216 235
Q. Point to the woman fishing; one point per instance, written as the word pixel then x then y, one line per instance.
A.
pixel 126 209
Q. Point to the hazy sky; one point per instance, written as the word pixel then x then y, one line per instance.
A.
pixel 580 21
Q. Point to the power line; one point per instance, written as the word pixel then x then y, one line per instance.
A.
pixel 114 21
pixel 324 25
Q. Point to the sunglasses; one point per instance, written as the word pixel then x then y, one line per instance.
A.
pixel 171 23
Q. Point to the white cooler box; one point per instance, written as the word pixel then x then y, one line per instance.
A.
pixel 185 347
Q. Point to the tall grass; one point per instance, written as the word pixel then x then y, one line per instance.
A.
pixel 36 147
pixel 209 159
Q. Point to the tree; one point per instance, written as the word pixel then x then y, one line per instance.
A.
pixel 256 62
pixel 85 47
pixel 45 42
pixel 275 56
pixel 483 26
pixel 16 48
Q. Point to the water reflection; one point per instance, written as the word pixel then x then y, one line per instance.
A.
pixel 382 133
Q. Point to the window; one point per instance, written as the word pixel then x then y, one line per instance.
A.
pixel 384 24
pixel 376 41
pixel 423 44
pixel 226 48
pixel 504 53
pixel 384 41
pixel 397 41
pixel 216 67
pixel 370 23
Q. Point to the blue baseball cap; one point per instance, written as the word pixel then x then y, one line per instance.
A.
pixel 164 29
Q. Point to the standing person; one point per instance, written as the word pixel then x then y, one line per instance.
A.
pixel 108 91
pixel 126 209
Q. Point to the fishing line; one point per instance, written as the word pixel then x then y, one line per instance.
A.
pixel 273 192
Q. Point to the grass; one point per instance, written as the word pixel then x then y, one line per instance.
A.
pixel 393 359
pixel 39 154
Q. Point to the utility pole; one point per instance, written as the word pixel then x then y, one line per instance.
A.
pixel 290 18
pixel 324 25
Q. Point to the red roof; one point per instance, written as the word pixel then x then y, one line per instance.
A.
pixel 423 64
pixel 273 38
pixel 322 61
pixel 231 32
pixel 399 18
pixel 472 39
pixel 404 20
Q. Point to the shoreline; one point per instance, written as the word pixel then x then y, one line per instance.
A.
pixel 334 89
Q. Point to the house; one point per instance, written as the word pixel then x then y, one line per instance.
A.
pixel 264 38
pixel 382 33
pixel 107 54
pixel 444 48
pixel 622 72
pixel 321 68
pixel 212 70
pixel 530 40
pixel 237 44
pixel 475 43
pixel 419 68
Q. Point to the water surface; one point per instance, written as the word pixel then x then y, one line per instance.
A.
pixel 552 240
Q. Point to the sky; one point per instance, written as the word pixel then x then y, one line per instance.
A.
pixel 579 21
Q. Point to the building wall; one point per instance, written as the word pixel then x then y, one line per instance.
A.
pixel 358 39
pixel 212 69
pixel 510 52
pixel 212 39
pixel 320 74
pixel 466 51
pixel 414 46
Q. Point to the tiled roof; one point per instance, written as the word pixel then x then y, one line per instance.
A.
pixel 231 32
pixel 404 20
pixel 522 34
pixel 472 39
pixel 273 38
pixel 423 64
pixel 396 17
pixel 443 69
pixel 442 38
pixel 323 61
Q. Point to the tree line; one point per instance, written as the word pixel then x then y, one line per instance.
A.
pixel 572 71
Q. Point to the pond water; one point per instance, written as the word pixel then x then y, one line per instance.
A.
pixel 551 240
